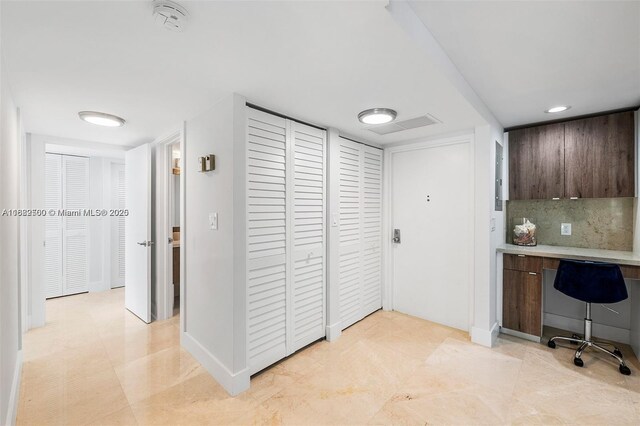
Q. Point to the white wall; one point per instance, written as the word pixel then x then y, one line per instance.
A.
pixel 10 327
pixel 485 311
pixel 213 285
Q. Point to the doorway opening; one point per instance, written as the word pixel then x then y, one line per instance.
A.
pixel 174 219
pixel 84 244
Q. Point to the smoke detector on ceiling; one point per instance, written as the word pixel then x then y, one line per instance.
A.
pixel 170 15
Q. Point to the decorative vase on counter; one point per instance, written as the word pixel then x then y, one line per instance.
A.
pixel 524 231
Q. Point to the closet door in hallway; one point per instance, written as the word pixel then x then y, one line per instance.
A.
pixel 360 231
pixel 286 182
pixel 67 236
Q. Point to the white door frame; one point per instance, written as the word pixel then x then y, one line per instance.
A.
pixel 164 252
pixel 387 228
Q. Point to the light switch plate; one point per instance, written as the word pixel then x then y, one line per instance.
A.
pixel 213 221
pixel 565 229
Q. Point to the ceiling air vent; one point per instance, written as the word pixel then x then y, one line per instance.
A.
pixel 170 15
pixel 399 126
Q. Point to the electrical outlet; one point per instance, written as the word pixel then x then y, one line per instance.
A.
pixel 565 229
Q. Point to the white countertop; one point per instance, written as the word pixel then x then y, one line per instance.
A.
pixel 612 256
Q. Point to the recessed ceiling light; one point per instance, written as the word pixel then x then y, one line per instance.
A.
pixel 377 116
pixel 101 119
pixel 559 108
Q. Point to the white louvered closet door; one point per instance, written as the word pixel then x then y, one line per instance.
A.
pixel 53 226
pixel 75 196
pixel 371 229
pixel 286 271
pixel 360 231
pixel 350 239
pixel 117 225
pixel 267 278
pixel 308 289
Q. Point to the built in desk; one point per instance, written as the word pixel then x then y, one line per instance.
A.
pixel 522 284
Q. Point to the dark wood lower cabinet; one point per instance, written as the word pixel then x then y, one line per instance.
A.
pixel 522 301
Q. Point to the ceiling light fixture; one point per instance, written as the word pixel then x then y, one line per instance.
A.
pixel 377 116
pixel 559 108
pixel 101 119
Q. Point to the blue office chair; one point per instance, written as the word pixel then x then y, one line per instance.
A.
pixel 591 282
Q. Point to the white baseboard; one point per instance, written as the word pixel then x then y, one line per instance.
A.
pixel 485 337
pixel 333 331
pixel 233 383
pixel 14 396
pixel 620 335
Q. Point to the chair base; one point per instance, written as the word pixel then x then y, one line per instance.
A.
pixel 586 343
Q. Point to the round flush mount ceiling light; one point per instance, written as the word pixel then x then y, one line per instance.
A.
pixel 377 116
pixel 558 108
pixel 101 118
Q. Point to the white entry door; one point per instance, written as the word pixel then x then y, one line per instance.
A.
pixel 431 206
pixel 137 290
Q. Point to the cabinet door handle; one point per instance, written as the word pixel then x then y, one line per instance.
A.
pixel 574 198
pixel 532 273
pixel 521 255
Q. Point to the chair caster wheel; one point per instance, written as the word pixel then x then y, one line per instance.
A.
pixel 625 370
pixel 551 344
pixel 617 352
pixel 580 363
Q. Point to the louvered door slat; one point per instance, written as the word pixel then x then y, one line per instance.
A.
pixel 308 235
pixel 75 194
pixel 121 221
pixel 349 230
pixel 266 239
pixel 371 230
pixel 53 225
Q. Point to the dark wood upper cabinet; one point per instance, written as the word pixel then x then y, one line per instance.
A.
pixel 536 162
pixel 586 158
pixel 599 157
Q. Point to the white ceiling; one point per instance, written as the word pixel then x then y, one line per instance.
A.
pixel 318 61
pixel 525 57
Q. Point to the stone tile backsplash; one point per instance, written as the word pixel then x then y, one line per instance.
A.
pixel 603 223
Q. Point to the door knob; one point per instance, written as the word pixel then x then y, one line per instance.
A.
pixel 144 243
pixel 396 236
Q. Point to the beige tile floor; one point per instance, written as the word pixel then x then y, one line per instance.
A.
pixel 94 363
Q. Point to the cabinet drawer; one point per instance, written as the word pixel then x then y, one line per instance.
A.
pixel 520 262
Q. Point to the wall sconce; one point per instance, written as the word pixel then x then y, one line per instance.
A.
pixel 207 163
